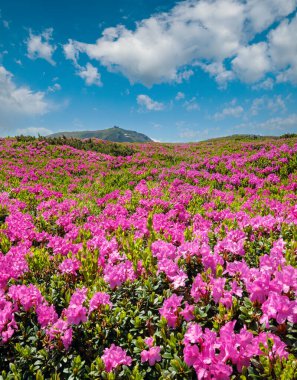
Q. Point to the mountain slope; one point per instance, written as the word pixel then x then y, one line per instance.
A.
pixel 114 134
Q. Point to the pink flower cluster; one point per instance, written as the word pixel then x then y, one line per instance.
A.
pixel 76 312
pixel 168 263
pixel 170 308
pixel 152 355
pixel 118 270
pixel 214 229
pixel 115 356
pixel 70 266
pixel 28 299
pixel 210 353
pixel 7 320
pixel 14 264
pixel 99 299
pixel 61 331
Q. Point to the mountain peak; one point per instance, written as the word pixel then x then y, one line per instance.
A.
pixel 115 134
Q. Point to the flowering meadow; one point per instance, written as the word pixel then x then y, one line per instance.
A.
pixel 166 261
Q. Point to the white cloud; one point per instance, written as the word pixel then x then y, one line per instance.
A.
pixel 33 131
pixel 274 104
pixel 267 84
pixel 252 62
pixel 218 70
pixel 90 75
pixel 184 75
pixel 70 51
pixel 262 13
pixel 148 103
pixel 191 105
pixel 283 50
pixel 163 47
pixel 180 95
pixel 277 124
pixel 155 140
pixel 39 46
pixel 54 88
pixel 20 99
pixel 235 111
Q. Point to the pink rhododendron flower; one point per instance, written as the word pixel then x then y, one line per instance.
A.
pixel 117 274
pixel 149 341
pixel 7 321
pixel 210 353
pixel 152 355
pixel 26 296
pixel 169 310
pixel 115 356
pixel 279 308
pixel 173 272
pixel 14 263
pixel 66 338
pixel 200 289
pixel 188 312
pixel 61 330
pixel 46 315
pixel 76 312
pixel 70 266
pixel 163 250
pixel 98 299
pixel 193 334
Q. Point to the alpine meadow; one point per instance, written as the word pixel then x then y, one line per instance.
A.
pixel 148 190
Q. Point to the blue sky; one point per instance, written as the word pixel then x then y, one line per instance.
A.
pixel 176 71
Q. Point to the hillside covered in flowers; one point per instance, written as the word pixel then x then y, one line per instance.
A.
pixel 166 261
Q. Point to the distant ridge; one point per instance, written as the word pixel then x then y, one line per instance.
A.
pixel 114 134
pixel 248 137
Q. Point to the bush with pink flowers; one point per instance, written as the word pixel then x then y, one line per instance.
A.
pixel 154 261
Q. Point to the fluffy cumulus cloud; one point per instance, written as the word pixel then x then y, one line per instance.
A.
pixel 252 62
pixel 90 75
pixel 39 46
pixel 20 99
pixel 262 13
pixel 233 111
pixel 230 109
pixel 149 104
pixel 165 47
pixel 218 71
pixel 70 51
pixel 283 50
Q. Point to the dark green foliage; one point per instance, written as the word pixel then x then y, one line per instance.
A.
pixel 91 144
